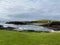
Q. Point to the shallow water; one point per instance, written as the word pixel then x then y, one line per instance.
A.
pixel 32 27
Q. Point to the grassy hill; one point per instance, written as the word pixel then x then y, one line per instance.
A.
pixel 45 21
pixel 28 38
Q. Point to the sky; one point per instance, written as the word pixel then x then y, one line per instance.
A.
pixel 22 10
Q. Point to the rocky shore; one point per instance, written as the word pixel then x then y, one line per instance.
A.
pixel 52 25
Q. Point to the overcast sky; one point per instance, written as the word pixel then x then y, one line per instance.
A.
pixel 29 9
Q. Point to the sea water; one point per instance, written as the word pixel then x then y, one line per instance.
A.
pixel 33 27
pixel 27 27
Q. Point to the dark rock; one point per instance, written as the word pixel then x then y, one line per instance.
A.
pixel 53 25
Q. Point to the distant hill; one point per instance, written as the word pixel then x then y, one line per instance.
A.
pixel 44 21
pixel 30 22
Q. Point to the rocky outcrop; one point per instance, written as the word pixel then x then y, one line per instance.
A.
pixel 53 25
pixel 19 22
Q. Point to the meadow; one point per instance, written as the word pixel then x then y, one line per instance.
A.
pixel 28 38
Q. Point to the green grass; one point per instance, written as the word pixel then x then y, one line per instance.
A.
pixel 45 21
pixel 28 38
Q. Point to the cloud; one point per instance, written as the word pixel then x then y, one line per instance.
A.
pixel 29 9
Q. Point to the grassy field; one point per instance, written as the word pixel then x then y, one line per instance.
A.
pixel 28 38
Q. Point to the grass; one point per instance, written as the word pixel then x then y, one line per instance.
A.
pixel 28 38
pixel 45 21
